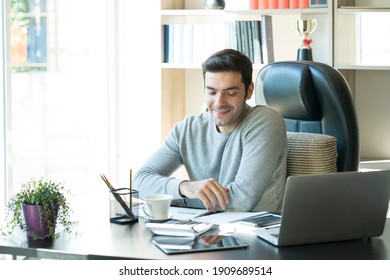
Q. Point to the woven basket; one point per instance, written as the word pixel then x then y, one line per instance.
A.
pixel 311 153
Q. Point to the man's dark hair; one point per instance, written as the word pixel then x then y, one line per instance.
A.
pixel 230 60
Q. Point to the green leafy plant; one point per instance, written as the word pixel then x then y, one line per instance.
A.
pixel 46 193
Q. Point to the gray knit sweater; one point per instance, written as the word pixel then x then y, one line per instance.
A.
pixel 250 160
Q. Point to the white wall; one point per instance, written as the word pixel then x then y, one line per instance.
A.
pixel 139 107
pixel 372 99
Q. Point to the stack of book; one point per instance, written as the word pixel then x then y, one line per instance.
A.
pixel 253 38
pixel 193 43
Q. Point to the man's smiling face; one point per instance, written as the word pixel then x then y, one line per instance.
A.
pixel 226 98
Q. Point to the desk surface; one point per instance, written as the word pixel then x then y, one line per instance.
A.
pixel 111 241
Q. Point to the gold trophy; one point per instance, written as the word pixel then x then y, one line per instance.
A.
pixel 304 28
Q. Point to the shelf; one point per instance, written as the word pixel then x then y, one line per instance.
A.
pixel 374 164
pixel 196 66
pixel 282 11
pixel 206 12
pixel 363 67
pixel 338 43
pixel 192 12
pixel 361 9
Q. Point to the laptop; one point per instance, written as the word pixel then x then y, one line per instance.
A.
pixel 331 207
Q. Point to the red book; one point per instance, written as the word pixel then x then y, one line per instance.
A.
pixel 273 4
pixel 303 4
pixel 294 4
pixel 254 5
pixel 263 4
pixel 283 4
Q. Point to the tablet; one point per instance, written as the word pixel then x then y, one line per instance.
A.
pixel 179 245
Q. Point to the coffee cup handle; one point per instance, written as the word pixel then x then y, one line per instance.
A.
pixel 146 209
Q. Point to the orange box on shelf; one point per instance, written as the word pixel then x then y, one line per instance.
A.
pixel 283 4
pixel 303 4
pixel 293 4
pixel 254 5
pixel 273 4
pixel 263 4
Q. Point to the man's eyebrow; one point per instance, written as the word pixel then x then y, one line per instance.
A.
pixel 226 89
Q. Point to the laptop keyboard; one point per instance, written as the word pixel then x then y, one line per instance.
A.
pixel 275 235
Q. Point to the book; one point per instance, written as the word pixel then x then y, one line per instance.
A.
pixel 179 228
pixel 267 39
pixel 178 43
pixel 188 30
pixel 168 43
pixel 262 221
pixel 256 41
pixel 253 38
pixel 178 243
pixel 231 37
pixel 238 36
pixel 197 43
pixel 249 224
pixel 219 218
pixel 247 39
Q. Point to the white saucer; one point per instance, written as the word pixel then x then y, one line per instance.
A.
pixel 158 221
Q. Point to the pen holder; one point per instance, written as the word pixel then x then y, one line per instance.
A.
pixel 124 206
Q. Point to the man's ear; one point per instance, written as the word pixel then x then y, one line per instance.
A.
pixel 250 91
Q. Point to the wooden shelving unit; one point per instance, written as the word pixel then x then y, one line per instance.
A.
pixel 182 83
pixel 366 68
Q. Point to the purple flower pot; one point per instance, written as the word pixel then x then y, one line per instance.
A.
pixel 36 226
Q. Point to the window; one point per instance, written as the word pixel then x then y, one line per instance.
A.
pixel 77 82
pixel 58 90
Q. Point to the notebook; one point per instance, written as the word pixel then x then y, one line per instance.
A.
pixel 331 207
pixel 179 228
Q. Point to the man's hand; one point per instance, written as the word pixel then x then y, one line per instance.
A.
pixel 210 239
pixel 209 191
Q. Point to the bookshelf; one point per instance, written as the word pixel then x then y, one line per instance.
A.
pixel 362 54
pixel 182 83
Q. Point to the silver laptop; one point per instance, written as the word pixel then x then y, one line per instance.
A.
pixel 331 207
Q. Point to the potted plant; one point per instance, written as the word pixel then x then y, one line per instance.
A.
pixel 43 204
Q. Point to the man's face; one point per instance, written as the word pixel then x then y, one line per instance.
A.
pixel 226 98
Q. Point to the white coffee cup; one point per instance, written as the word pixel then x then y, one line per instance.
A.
pixel 157 206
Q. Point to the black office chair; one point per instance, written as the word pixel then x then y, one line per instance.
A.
pixel 314 98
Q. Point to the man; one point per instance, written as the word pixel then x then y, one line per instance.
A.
pixel 234 154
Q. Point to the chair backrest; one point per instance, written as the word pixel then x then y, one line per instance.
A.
pixel 313 97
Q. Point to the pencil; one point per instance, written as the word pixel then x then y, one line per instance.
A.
pixel 131 180
pixel 117 197
pixel 131 189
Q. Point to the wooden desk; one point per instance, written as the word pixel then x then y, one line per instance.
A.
pixel 111 241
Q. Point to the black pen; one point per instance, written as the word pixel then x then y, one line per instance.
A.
pixel 207 213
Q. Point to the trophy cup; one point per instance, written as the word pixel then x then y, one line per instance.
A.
pixel 214 4
pixel 304 28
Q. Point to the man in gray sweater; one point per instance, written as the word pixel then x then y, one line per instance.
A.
pixel 234 154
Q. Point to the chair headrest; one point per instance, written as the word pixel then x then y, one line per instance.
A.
pixel 288 88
